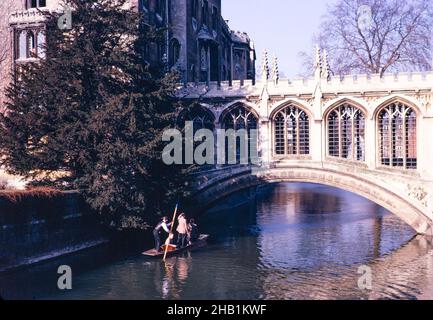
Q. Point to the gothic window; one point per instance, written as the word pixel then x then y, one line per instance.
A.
pixel 144 5
pixel 397 136
pixel 41 44
pixel 36 4
pixel 215 17
pixel 205 12
pixel 292 132
pixel 193 73
pixel 203 59
pixel 194 8
pixel 174 52
pixel 160 8
pixel 22 45
pixel 202 118
pixel 31 45
pixel 237 119
pixel 346 133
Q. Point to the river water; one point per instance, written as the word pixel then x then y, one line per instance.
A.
pixel 291 241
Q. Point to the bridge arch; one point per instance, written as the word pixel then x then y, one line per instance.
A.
pixel 225 184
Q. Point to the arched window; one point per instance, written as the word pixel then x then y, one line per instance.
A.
pixel 36 4
pixel 292 132
pixel 174 52
pixel 41 44
pixel 31 45
pixel 397 136
pixel 202 118
pixel 144 4
pixel 160 8
pixel 194 9
pixel 215 18
pixel 346 133
pixel 240 118
pixel 22 45
pixel 205 12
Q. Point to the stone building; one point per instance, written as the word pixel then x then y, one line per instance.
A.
pixel 198 43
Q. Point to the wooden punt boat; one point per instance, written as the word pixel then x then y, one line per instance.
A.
pixel 172 249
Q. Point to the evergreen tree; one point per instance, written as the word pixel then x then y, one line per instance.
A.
pixel 90 116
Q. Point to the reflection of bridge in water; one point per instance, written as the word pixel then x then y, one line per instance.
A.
pixel 364 134
pixel 399 275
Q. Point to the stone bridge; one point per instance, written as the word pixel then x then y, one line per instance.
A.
pixel 366 134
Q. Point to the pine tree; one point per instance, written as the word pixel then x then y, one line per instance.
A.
pixel 90 116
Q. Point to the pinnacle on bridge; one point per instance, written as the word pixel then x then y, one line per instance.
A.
pixel 318 63
pixel 326 70
pixel 275 71
pixel 265 67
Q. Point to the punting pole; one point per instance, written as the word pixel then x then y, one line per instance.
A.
pixel 171 230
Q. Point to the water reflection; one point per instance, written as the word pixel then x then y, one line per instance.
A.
pixel 293 241
pixel 175 275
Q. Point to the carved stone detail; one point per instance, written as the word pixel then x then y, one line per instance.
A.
pixel 418 193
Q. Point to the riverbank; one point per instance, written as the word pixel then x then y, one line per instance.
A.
pixel 41 225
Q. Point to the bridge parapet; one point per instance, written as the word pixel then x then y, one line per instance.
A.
pixel 355 84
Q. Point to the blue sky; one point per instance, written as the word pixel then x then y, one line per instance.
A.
pixel 283 27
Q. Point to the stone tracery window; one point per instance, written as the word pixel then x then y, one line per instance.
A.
pixel 397 127
pixel 346 133
pixel 36 4
pixel 174 53
pixel 237 119
pixel 41 44
pixel 291 132
pixel 194 9
pixel 160 8
pixel 22 45
pixel 240 118
pixel 201 118
pixel 31 44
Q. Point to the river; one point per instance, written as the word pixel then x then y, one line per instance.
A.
pixel 290 241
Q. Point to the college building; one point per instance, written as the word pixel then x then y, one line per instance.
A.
pixel 198 41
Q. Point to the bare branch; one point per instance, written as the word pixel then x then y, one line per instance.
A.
pixel 399 37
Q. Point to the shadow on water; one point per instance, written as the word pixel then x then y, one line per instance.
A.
pixel 290 241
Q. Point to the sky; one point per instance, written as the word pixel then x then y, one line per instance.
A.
pixel 282 27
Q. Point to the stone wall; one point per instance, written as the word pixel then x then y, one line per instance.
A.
pixel 35 228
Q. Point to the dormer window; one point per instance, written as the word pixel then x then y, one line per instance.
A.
pixel 36 4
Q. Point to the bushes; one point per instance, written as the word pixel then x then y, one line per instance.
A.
pixel 36 192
